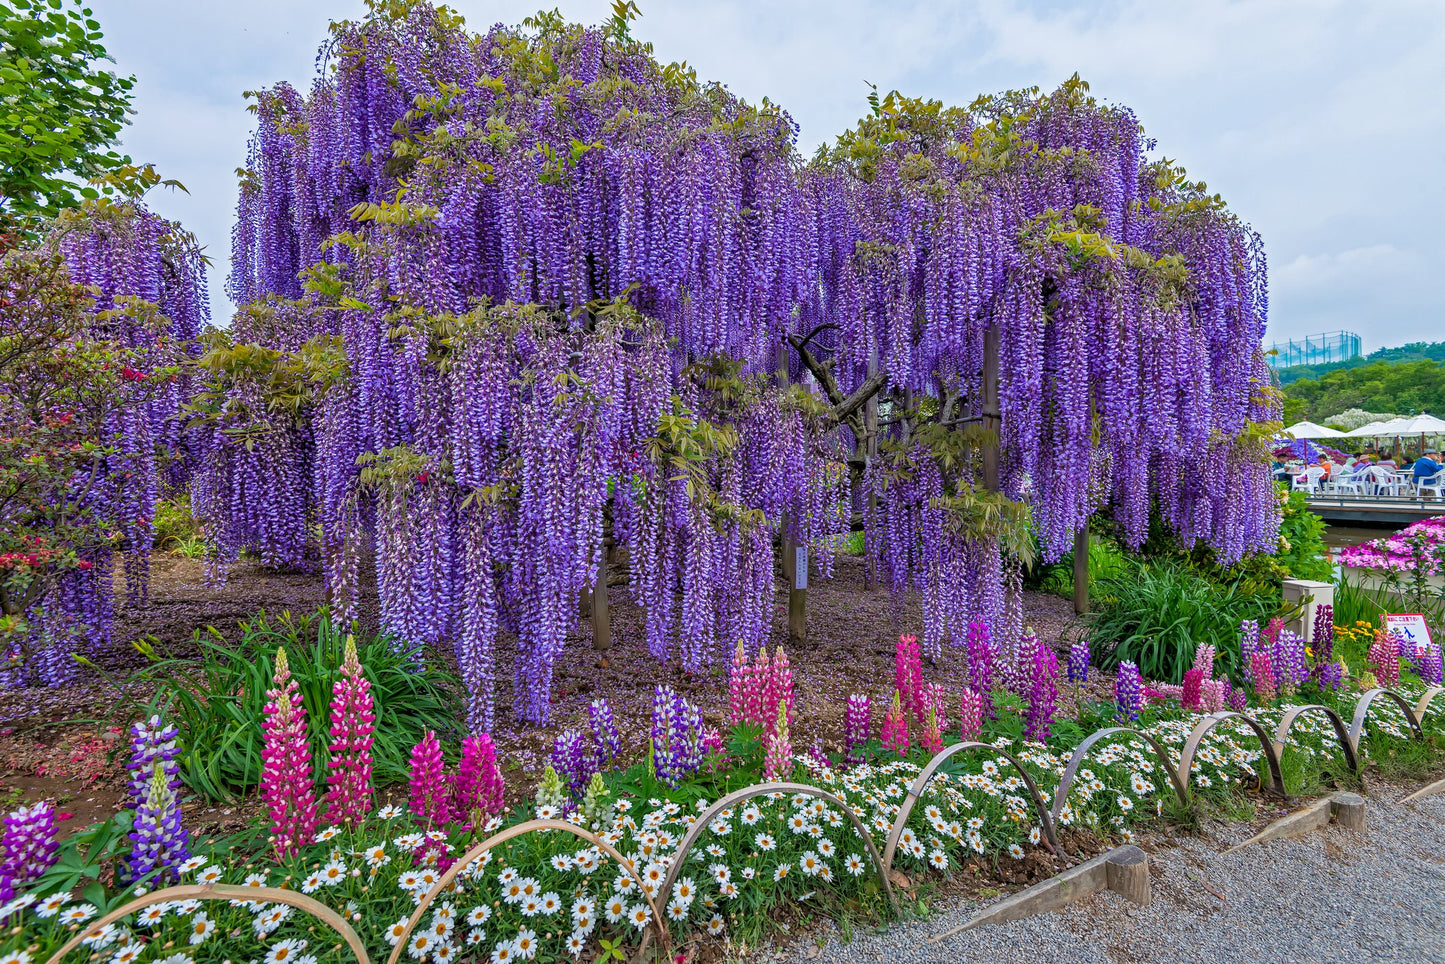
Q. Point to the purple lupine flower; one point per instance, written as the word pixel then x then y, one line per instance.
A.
pixel 28 848
pixel 1291 667
pixel 159 841
pixel 1078 666
pixel 152 742
pixel 574 761
pixel 678 747
pixel 1248 643
pixel 1323 634
pixel 1128 691
pixel 857 727
pixel 1235 697
pixel 605 737
pixel 1043 693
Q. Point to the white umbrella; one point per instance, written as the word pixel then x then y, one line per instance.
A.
pixel 1311 430
pixel 1376 429
pixel 1418 425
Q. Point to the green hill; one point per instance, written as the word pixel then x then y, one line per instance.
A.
pixel 1414 351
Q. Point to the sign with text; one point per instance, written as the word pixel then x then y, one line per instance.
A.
pixel 1408 626
pixel 800 568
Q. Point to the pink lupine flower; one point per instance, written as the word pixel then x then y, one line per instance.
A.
pixel 932 739
pixel 778 761
pixel 430 795
pixel 1191 695
pixel 970 714
pixel 477 786
pixel 353 724
pixel 1261 670
pixel 286 783
pixel 1384 659
pixel 908 677
pixel 780 685
pixel 738 687
pixel 895 727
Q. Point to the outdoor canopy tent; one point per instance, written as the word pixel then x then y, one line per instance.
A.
pixel 1309 429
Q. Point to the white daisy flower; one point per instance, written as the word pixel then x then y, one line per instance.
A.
pixel 388 812
pixel 285 952
pixel 526 944
pixel 202 927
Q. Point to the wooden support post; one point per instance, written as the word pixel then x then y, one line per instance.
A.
pixel 1081 571
pixel 797 583
pixel 991 420
pixel 601 612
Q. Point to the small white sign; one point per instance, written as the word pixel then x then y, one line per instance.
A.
pixel 800 567
pixel 1410 627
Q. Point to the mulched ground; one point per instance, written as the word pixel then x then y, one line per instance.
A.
pixel 68 744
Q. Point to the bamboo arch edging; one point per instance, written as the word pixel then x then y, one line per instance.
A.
pixel 1342 734
pixel 1061 796
pixel 1424 703
pixel 518 830
pixel 1362 709
pixel 263 895
pixel 1201 730
pixel 926 774
pixel 737 797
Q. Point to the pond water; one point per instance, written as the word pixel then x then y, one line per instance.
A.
pixel 1338 537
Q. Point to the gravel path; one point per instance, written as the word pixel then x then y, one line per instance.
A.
pixel 1329 896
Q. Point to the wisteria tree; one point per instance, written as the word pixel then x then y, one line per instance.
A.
pixel 95 324
pixel 516 302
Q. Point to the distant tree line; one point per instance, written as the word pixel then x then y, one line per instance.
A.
pixel 1402 387
pixel 1414 351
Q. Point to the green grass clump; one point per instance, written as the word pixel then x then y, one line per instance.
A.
pixel 218 700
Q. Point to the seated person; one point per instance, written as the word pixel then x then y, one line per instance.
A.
pixel 1328 465
pixel 1425 466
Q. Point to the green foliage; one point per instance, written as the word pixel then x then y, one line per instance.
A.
pixel 1301 541
pixel 1156 613
pixel 1106 560
pixel 58 110
pixel 176 530
pixel 1382 386
pixel 218 701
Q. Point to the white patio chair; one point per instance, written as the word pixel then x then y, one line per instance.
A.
pixel 1435 483
pixel 1348 484
pixel 1309 479
pixel 1384 482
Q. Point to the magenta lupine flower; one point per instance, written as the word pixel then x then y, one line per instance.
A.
pixel 778 758
pixel 970 714
pixel 478 785
pixel 935 700
pixel 908 677
pixel 1078 666
pixel 28 848
pixel 715 749
pixel 430 796
pixel 1272 630
pixel 1043 689
pixel 981 656
pixel 353 725
pixel 1191 695
pixel 857 727
pixel 895 727
pixel 605 736
pixel 1128 691
pixel 758 713
pixel 1384 659
pixel 286 782
pixel 1261 670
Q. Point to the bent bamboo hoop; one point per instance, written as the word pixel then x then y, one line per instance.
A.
pixel 926 774
pixel 1061 796
pixel 1201 730
pixel 264 895
pixel 689 839
pixel 1362 709
pixel 1342 733
pixel 519 830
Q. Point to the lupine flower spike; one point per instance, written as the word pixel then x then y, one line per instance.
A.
pixel 478 786
pixel 778 759
pixel 895 727
pixel 970 714
pixel 28 847
pixel 857 727
pixel 1078 667
pixel 353 724
pixel 1128 691
pixel 286 783
pixel 429 797
pixel 1261 670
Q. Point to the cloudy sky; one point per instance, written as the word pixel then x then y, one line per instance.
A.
pixel 1321 122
